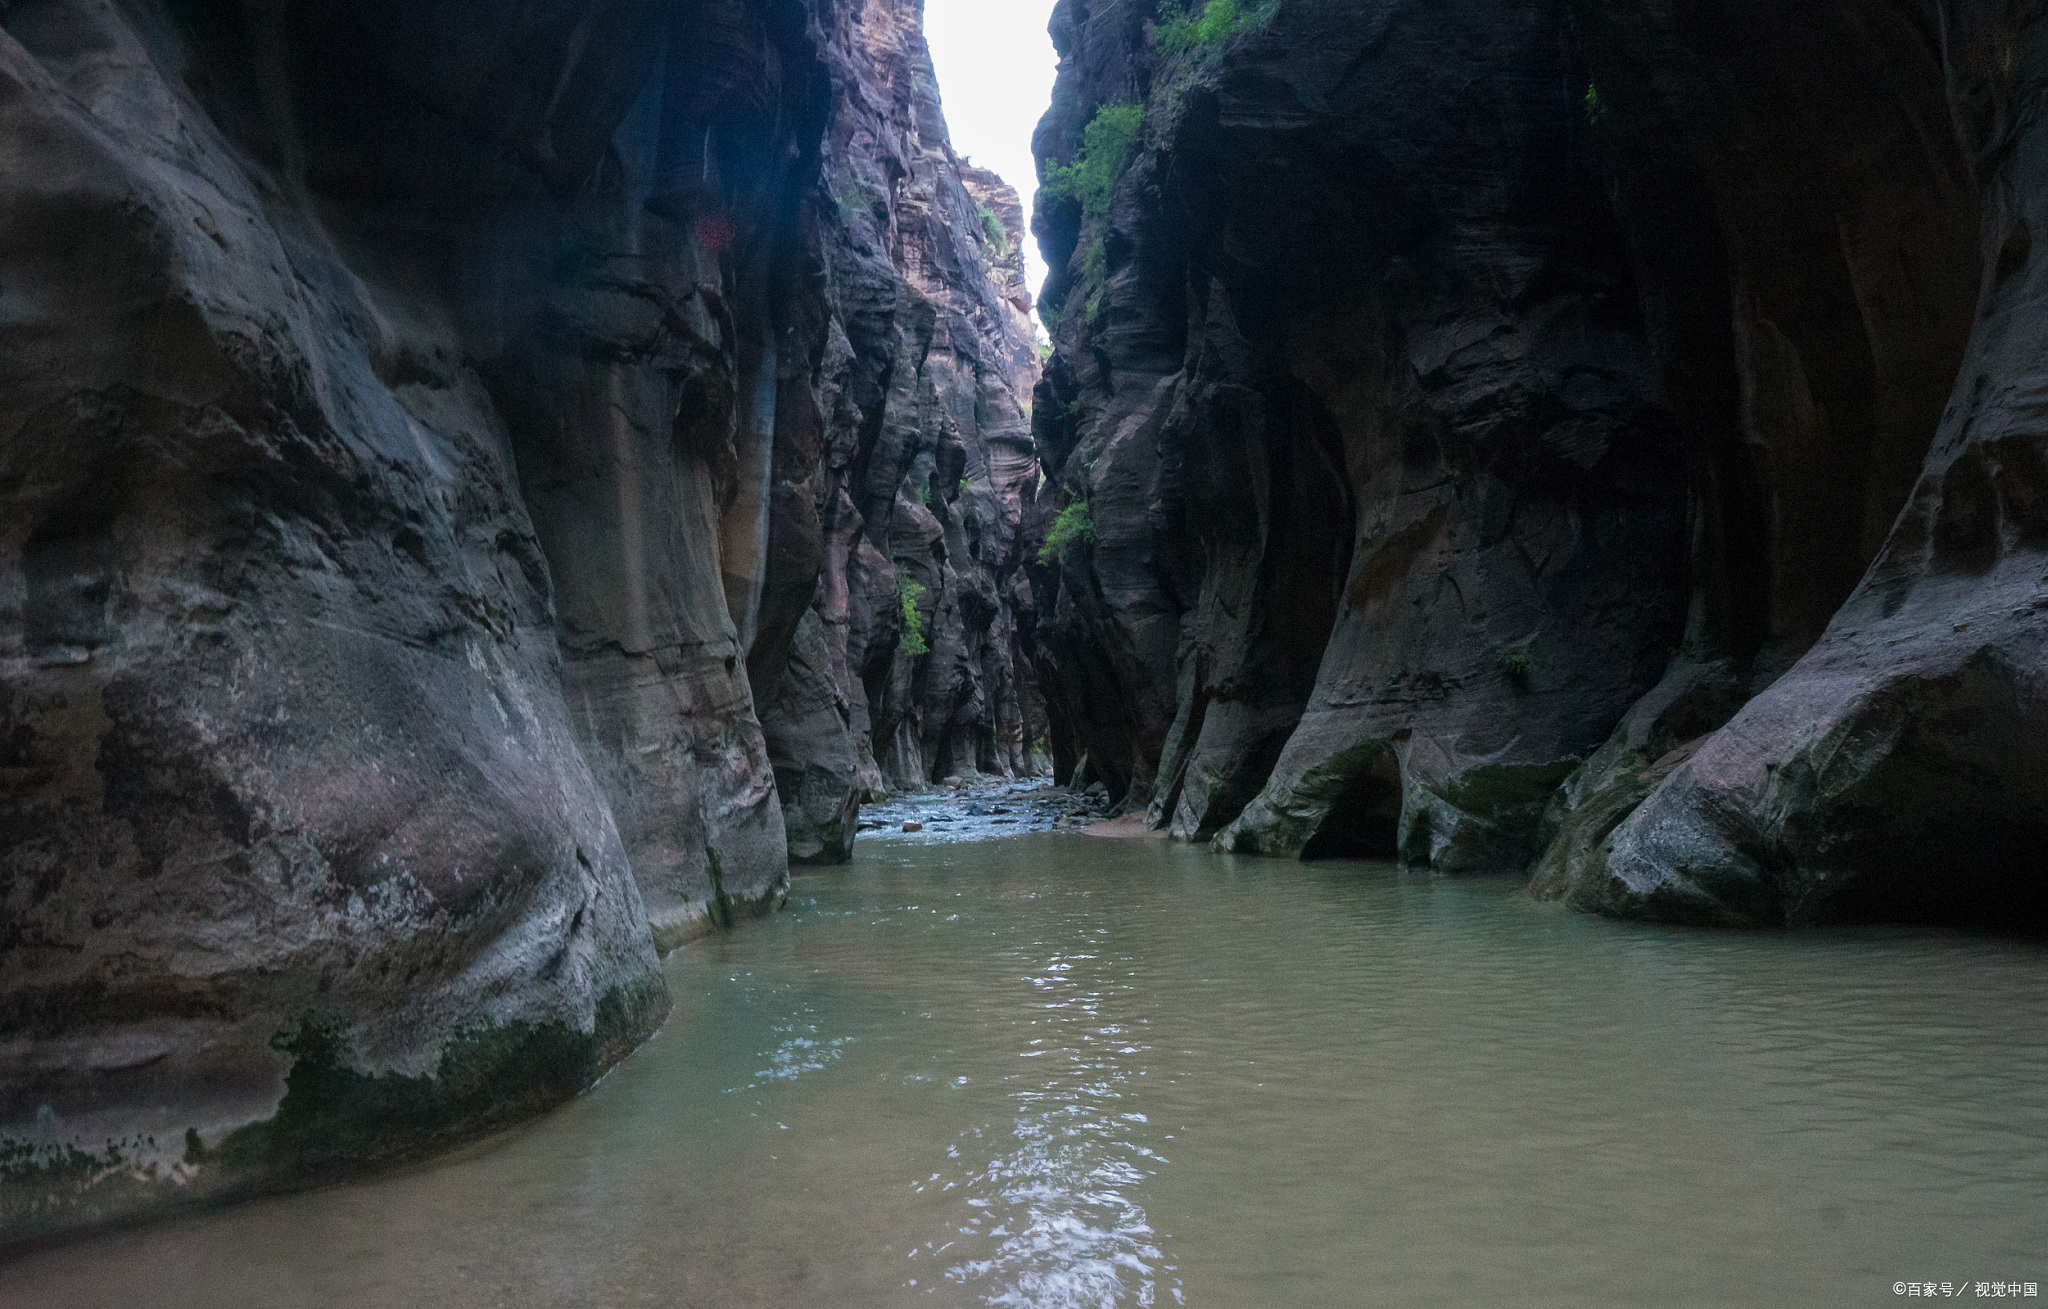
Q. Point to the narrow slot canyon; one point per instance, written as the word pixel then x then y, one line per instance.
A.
pixel 1061 654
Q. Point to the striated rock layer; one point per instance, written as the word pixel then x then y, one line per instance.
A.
pixel 1389 496
pixel 928 379
pixel 1879 182
pixel 455 461
pixel 1555 435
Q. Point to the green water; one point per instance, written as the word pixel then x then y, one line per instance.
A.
pixel 1060 1071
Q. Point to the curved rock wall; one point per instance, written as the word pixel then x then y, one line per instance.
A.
pixel 1528 433
pixel 433 456
pixel 933 358
pixel 1389 494
pixel 483 488
pixel 1895 770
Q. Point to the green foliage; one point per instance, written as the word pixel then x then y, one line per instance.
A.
pixel 1594 109
pixel 924 496
pixel 1188 42
pixel 1208 31
pixel 1073 307
pixel 913 622
pixel 1515 664
pixel 860 198
pixel 1044 351
pixel 992 228
pixel 1217 23
pixel 1108 145
pixel 1095 262
pixel 1094 309
pixel 1073 526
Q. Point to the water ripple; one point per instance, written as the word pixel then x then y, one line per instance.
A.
pixel 1058 1221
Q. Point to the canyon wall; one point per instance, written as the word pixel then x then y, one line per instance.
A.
pixel 929 374
pixel 484 488
pixel 1555 437
pixel 456 466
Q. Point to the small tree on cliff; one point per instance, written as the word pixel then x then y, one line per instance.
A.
pixel 1207 31
pixel 1108 145
pixel 910 593
pixel 997 236
pixel 1072 526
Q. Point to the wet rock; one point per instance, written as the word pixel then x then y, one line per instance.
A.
pixel 1388 497
pixel 1894 771
pixel 452 537
pixel 292 784
pixel 969 814
pixel 1605 488
pixel 805 718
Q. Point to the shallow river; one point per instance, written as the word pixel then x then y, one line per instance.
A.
pixel 1061 1071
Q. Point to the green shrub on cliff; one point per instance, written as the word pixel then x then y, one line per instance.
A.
pixel 1072 526
pixel 1207 31
pixel 913 622
pixel 1108 145
pixel 858 198
pixel 1095 262
pixel 992 228
pixel 1218 20
pixel 1515 664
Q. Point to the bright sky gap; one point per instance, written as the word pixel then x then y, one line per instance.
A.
pixel 995 65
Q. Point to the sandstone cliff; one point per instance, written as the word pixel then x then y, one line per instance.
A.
pixel 929 376
pixel 456 461
pixel 1515 430
pixel 483 488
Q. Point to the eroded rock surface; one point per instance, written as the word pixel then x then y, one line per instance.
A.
pixel 483 489
pixel 1543 435
pixel 1389 497
pixel 432 459
pixel 929 385
pixel 1896 770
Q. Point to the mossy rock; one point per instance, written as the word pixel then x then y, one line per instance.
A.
pixel 334 1121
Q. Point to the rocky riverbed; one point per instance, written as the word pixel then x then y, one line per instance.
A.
pixel 983 810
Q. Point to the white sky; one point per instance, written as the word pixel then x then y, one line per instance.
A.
pixel 995 66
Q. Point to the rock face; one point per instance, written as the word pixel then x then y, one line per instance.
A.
pixel 484 488
pixel 929 378
pixel 438 554
pixel 1543 435
pixel 1896 769
pixel 1389 496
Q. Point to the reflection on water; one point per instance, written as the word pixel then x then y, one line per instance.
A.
pixel 1065 1201
pixel 1064 1073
